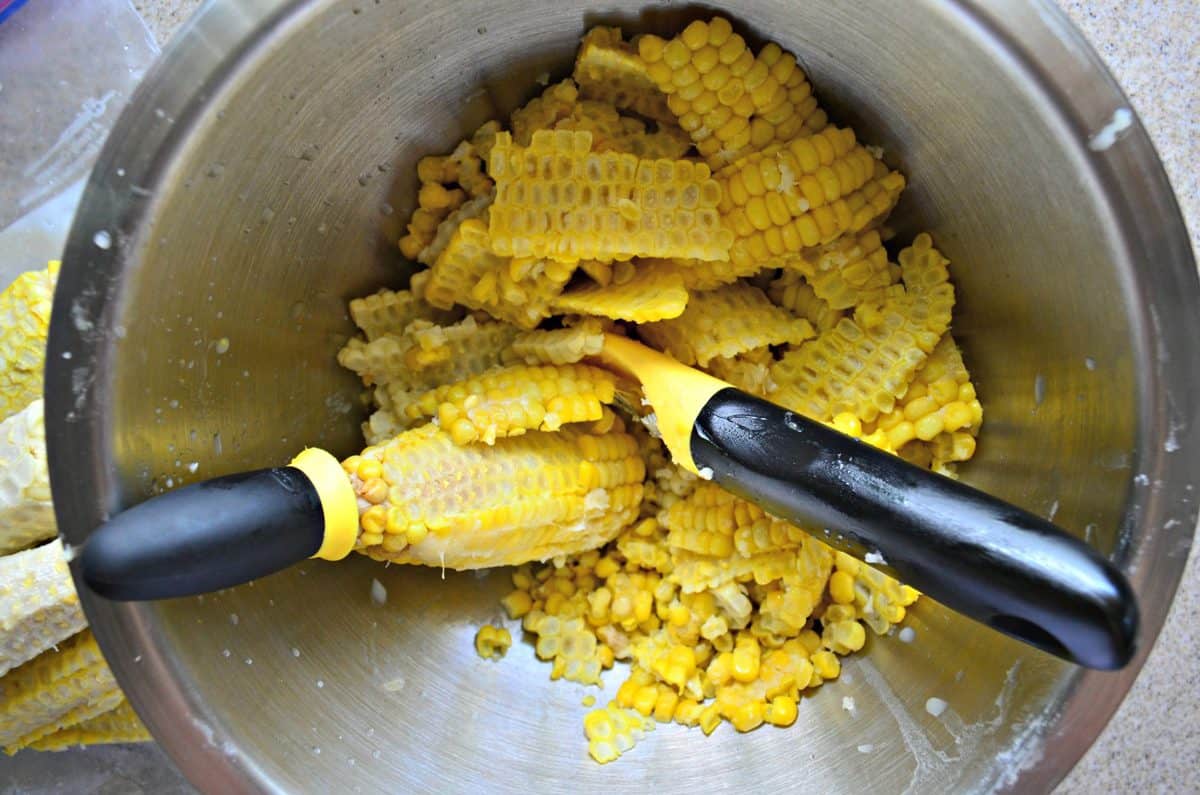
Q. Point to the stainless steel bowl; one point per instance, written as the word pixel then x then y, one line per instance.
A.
pixel 259 180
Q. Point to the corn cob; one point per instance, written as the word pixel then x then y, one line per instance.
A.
pixel 57 689
pixel 556 199
pixel 427 500
pixel 749 371
pixel 26 511
pixel 698 275
pixel 643 296
pixel 616 133
pixel 730 101
pixel 446 183
pixel 120 725
pixel 466 272
pixel 427 355
pixel 852 271
pixel 560 346
pixel 608 69
pixel 38 604
pixel 850 369
pixel 725 322
pixel 512 400
pixel 25 319
pixel 390 312
pixel 793 293
pixel 940 400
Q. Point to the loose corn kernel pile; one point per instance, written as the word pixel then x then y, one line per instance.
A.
pixel 690 193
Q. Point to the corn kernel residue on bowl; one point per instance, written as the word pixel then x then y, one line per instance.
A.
pixel 690 193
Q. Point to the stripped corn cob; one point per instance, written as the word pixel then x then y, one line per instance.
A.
pixel 863 366
pixel 609 70
pixel 120 725
pixel 26 511
pixel 730 101
pixel 38 604
pixel 427 355
pixel 427 500
pixel 24 320
pixel 446 184
pixel 793 293
pixel 390 312
pixel 850 369
pixel 851 271
pixel 613 132
pixel 560 346
pixel 699 275
pixel 57 689
pixel 646 295
pixel 556 199
pixel 725 322
pixel 512 400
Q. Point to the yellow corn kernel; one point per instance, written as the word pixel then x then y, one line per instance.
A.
pixel 841 587
pixel 746 659
pixel 826 664
pixel 492 643
pixel 557 199
pixel 517 603
pixel 725 322
pixel 710 718
pixel 782 711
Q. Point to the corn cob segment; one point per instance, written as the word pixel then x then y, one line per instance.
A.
pixel 851 271
pixel 850 369
pixel 427 355
pixel 120 725
pixel 446 183
pixel 466 272
pixel 25 319
pixel 560 346
pixel 725 322
pixel 26 511
pixel 608 69
pixel 543 112
pixel 730 101
pixel 57 689
pixel 645 295
pixel 512 400
pixel 713 522
pixel 425 499
pixel 557 199
pixel 390 312
pixel 940 400
pixel 793 293
pixel 38 604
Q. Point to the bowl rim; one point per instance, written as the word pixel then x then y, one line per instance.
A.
pixel 1043 45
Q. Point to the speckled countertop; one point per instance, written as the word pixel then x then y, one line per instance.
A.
pixel 1153 49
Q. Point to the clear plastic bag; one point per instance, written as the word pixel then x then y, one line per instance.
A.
pixel 67 68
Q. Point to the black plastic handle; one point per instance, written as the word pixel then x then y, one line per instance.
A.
pixel 989 560
pixel 207 536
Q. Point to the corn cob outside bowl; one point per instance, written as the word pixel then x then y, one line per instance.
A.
pixel 290 129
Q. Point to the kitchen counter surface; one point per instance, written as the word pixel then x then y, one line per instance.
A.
pixel 1153 742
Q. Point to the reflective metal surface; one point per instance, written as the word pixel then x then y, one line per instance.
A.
pixel 259 180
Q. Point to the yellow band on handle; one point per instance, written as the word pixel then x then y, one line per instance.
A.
pixel 338 502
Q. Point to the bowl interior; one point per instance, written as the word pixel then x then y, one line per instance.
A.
pixel 284 199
